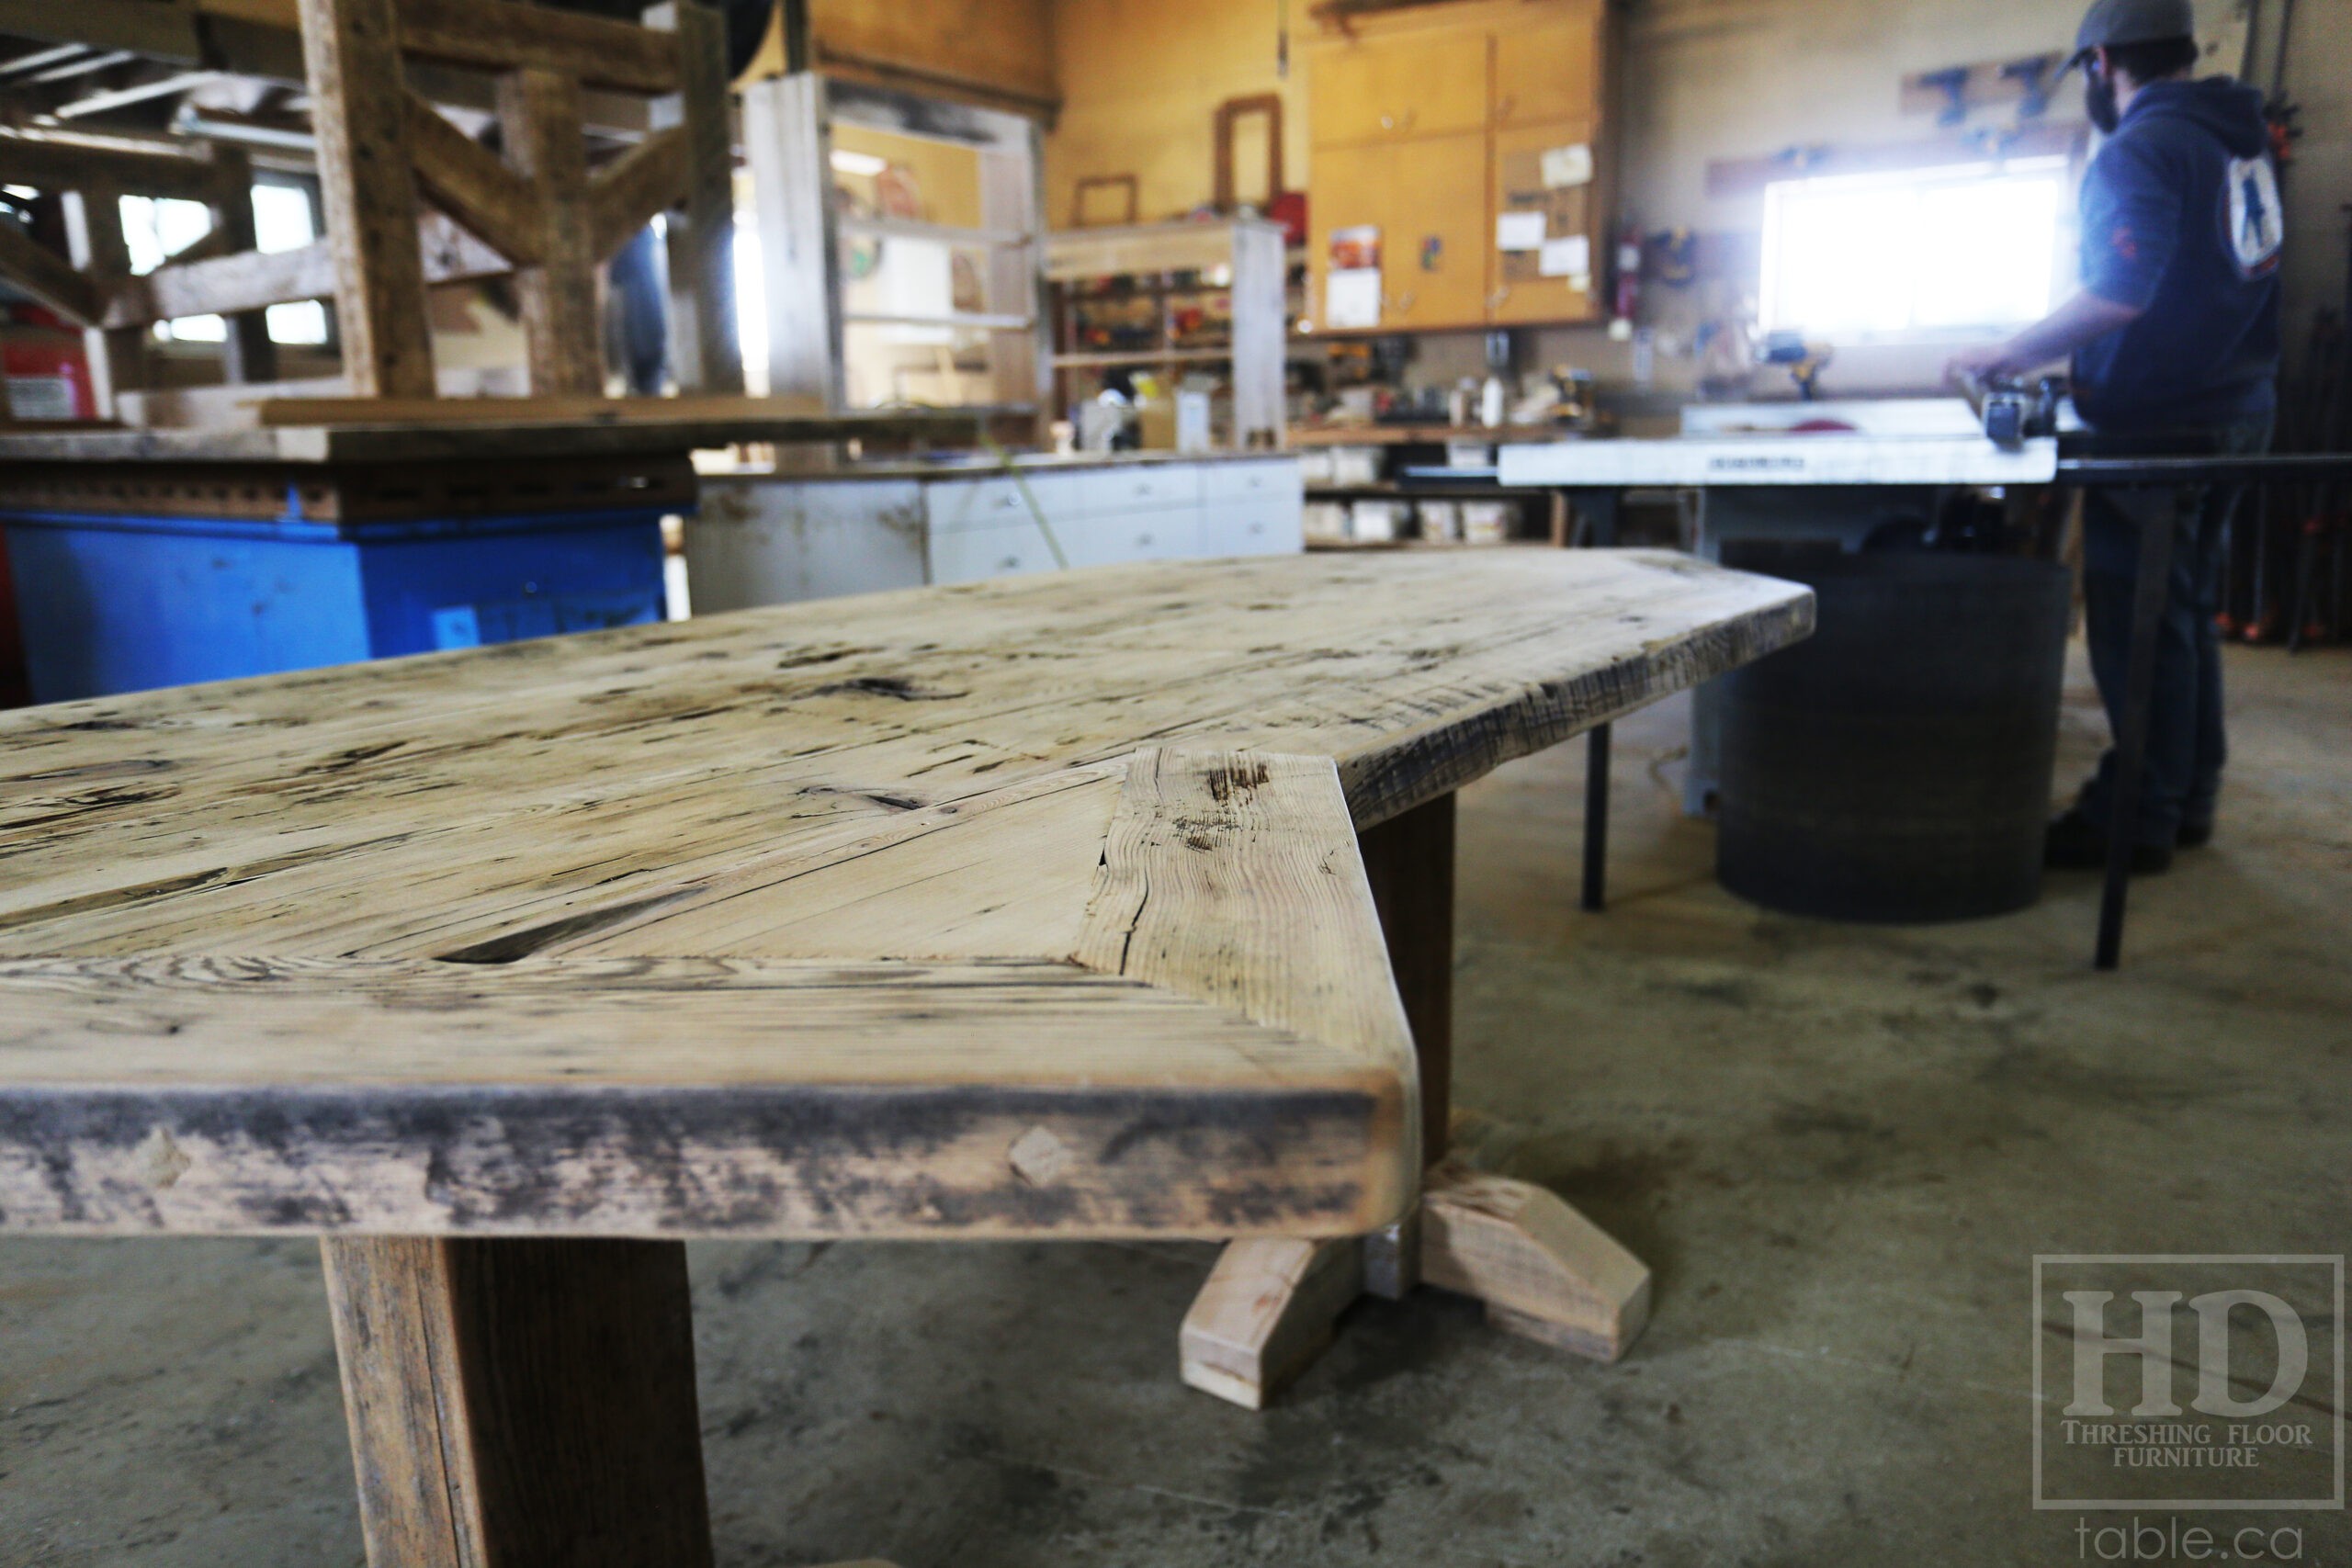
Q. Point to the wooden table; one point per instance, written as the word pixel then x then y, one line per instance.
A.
pixel 1085 905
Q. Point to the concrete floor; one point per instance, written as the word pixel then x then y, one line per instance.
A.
pixel 1837 1148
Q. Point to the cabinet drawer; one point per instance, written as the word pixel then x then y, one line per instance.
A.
pixel 1253 528
pixel 997 501
pixel 1170 533
pixel 1250 481
pixel 1116 491
pixel 968 555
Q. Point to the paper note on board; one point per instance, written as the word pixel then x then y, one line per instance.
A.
pixel 1569 165
pixel 1569 257
pixel 1352 298
pixel 1518 231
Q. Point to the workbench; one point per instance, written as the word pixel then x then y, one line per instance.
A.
pixel 1835 485
pixel 1107 903
pixel 153 557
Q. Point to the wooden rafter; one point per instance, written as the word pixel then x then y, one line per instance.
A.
pixel 473 186
pixel 65 165
pixel 250 280
pixel 625 194
pixel 48 278
pixel 501 35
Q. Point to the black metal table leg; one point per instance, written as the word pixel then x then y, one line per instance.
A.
pixel 1601 507
pixel 1596 818
pixel 2131 741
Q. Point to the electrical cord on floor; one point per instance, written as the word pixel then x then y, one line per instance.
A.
pixel 1004 461
pixel 1021 482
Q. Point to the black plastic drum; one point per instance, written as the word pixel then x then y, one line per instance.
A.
pixel 1896 765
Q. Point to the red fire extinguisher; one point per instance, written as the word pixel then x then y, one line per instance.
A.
pixel 1629 273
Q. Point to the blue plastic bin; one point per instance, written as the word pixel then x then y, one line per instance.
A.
pixel 111 604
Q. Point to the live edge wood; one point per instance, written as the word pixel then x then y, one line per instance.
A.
pixel 520 1401
pixel 1028 907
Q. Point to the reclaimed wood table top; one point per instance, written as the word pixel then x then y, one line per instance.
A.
pixel 1030 906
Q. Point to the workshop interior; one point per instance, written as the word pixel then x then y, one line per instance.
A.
pixel 928 784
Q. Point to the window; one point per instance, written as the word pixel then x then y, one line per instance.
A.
pixel 156 228
pixel 1948 252
pixel 285 220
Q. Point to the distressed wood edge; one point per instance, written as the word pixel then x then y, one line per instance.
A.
pixel 1071 1162
pixel 1412 768
pixel 1190 831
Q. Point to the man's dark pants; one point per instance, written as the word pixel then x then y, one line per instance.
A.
pixel 2182 777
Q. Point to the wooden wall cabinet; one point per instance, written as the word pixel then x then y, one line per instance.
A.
pixel 1389 89
pixel 1431 123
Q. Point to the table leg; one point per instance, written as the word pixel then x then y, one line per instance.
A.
pixel 1542 1270
pixel 1596 819
pixel 520 1401
pixel 2131 741
pixel 1603 506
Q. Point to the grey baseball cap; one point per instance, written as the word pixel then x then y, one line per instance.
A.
pixel 2132 21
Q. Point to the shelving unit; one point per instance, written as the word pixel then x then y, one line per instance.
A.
pixel 940 302
pixel 1158 263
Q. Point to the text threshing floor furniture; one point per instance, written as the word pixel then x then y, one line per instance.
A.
pixel 1029 907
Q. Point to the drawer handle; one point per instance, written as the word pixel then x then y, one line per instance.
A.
pixel 1257 527
pixel 1142 538
pixel 1010 563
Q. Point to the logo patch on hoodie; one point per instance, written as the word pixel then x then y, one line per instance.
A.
pixel 2257 224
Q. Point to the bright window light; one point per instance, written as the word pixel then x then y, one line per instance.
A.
pixel 751 309
pixel 283 221
pixel 848 163
pixel 1935 253
pixel 154 228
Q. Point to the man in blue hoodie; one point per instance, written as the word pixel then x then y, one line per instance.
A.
pixel 2175 339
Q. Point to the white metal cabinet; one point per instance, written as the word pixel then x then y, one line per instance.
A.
pixel 772 539
pixel 760 542
pixel 1250 509
pixel 1157 533
pixel 1260 529
pixel 1142 486
pixel 998 500
pixel 968 555
pixel 1274 479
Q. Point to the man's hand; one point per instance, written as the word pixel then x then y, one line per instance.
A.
pixel 1985 363
pixel 2077 321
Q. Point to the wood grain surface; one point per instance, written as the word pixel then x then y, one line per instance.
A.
pixel 1027 906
